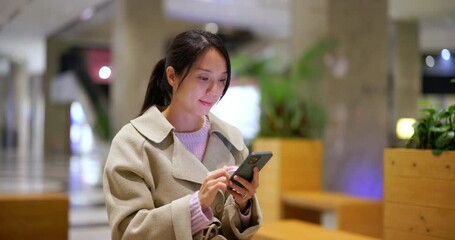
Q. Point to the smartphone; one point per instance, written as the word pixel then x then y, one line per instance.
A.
pixel 245 170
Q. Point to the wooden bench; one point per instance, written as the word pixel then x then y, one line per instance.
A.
pixel 291 187
pixel 297 230
pixel 34 216
pixel 335 211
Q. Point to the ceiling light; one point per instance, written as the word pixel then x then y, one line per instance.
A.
pixel 429 60
pixel 445 54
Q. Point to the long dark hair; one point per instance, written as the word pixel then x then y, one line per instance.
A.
pixel 181 54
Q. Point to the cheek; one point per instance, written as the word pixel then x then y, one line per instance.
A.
pixel 220 88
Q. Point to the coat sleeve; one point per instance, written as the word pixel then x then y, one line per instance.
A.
pixel 232 225
pixel 129 201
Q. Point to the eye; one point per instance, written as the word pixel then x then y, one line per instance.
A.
pixel 223 78
pixel 203 78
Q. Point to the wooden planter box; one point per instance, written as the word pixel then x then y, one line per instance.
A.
pixel 34 216
pixel 419 195
pixel 296 165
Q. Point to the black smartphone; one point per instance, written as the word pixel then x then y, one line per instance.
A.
pixel 255 159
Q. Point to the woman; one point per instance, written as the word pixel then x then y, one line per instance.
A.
pixel 167 173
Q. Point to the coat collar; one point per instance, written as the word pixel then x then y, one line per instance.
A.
pixel 155 127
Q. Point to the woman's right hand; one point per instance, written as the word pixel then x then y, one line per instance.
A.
pixel 214 181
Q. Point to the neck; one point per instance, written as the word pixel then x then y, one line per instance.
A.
pixel 182 121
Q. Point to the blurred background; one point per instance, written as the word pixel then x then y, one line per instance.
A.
pixel 72 73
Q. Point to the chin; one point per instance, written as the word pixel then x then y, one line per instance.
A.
pixel 204 112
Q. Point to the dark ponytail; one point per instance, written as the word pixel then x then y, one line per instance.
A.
pixel 182 53
pixel 159 92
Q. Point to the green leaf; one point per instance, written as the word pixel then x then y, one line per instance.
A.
pixel 452 109
pixel 436 151
pixel 430 111
pixel 440 129
pixel 444 139
pixel 435 130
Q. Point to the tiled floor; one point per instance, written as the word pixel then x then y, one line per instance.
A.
pixel 79 176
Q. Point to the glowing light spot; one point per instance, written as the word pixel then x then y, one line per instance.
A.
pixel 405 129
pixel 429 60
pixel 445 54
pixel 86 14
pixel 104 72
pixel 211 27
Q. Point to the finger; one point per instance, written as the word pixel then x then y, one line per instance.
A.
pixel 237 196
pixel 255 181
pixel 251 188
pixel 242 181
pixel 208 191
pixel 218 182
pixel 217 173
pixel 247 190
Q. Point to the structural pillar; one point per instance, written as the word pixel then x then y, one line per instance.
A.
pixel 406 73
pixel 354 92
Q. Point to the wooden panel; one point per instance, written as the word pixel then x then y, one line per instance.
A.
pixel 419 194
pixel 308 215
pixel 323 200
pixel 270 181
pixel 301 165
pixel 435 222
pixel 34 216
pixel 366 218
pixel 393 234
pixel 297 230
pixel 353 214
pixel 300 161
pixel 296 164
pixel 419 163
pixel 420 191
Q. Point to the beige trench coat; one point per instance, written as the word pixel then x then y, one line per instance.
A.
pixel 149 177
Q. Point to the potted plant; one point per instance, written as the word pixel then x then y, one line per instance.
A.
pixel 289 106
pixel 291 124
pixel 435 130
pixel 419 181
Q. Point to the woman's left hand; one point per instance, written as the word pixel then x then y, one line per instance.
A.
pixel 243 194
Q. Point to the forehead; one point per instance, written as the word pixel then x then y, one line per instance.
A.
pixel 212 60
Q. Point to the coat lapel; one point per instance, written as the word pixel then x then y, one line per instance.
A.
pixel 185 165
pixel 217 154
pixel 155 127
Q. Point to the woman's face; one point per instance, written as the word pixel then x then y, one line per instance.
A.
pixel 203 85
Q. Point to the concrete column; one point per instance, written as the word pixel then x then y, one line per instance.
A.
pixel 22 108
pixel 140 36
pixel 357 106
pixel 406 73
pixel 309 24
pixel 57 117
pixel 354 90
pixel 137 44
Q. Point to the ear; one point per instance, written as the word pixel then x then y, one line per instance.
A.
pixel 171 77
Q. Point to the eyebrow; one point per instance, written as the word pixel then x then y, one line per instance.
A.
pixel 207 70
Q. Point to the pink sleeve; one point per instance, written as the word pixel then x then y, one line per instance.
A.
pixel 245 217
pixel 200 218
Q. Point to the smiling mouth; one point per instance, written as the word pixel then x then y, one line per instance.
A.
pixel 206 103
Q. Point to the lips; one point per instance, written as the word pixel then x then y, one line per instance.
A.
pixel 205 103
